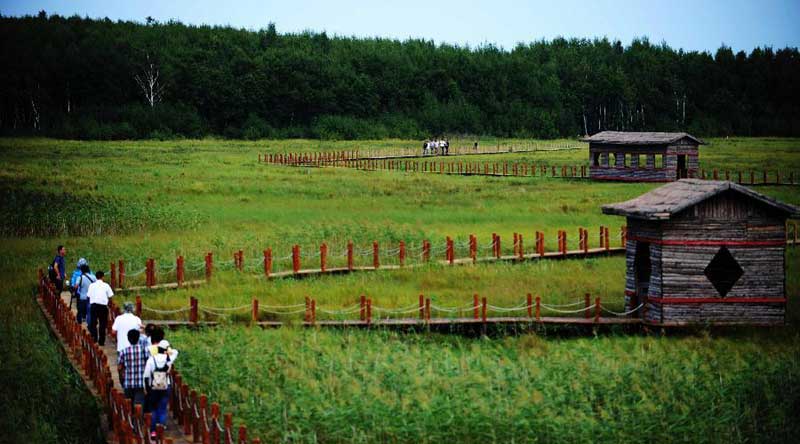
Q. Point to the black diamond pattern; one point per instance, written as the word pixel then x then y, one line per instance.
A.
pixel 723 271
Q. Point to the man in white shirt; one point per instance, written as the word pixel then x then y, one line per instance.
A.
pixel 123 323
pixel 99 293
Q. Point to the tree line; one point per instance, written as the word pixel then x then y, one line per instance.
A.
pixel 77 77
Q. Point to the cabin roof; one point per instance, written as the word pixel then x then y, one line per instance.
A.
pixel 639 138
pixel 663 202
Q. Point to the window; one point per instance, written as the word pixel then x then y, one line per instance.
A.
pixel 659 161
pixel 595 159
pixel 627 159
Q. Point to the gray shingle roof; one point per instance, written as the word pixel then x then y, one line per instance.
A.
pixel 640 138
pixel 663 202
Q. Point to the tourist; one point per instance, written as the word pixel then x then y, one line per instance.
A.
pixel 156 336
pixel 99 293
pixel 123 323
pixel 157 382
pixel 82 284
pixel 148 335
pixel 133 359
pixel 73 281
pixel 59 267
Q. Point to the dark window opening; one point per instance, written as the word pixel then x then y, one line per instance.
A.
pixel 682 173
pixel 596 159
pixel 723 271
pixel 642 271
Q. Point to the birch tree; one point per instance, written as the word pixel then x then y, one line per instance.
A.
pixel 149 83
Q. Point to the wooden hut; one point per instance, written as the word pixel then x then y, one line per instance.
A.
pixel 705 252
pixel 643 157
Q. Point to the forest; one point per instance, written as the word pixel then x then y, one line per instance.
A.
pixel 82 78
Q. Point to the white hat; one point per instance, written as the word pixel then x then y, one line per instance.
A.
pixel 163 344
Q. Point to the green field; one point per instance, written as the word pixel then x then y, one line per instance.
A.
pixel 132 200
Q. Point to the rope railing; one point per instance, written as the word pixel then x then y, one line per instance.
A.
pixel 531 307
pixel 352 257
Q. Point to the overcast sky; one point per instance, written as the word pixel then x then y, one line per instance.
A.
pixel 691 25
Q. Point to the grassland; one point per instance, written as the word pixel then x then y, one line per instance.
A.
pixel 189 197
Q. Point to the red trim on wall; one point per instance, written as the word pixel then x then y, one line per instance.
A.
pixel 667 301
pixel 709 243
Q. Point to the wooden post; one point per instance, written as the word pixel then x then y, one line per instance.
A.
pixel 350 255
pixel 241 260
pixel 483 309
pixel 307 313
pixel 323 255
pixel 586 302
pixel 267 262
pixel 376 260
pixel 402 253
pixel 427 309
pixel 597 309
pixel 426 250
pixel 242 435
pixel 181 271
pixel 422 307
pixel 313 311
pixel 602 232
pixel 498 247
pixel 369 311
pixel 254 314
pixel 363 308
pixel 538 308
pixel 138 305
pixel 515 244
pixel 475 306
pixel 209 265
pixel 520 248
pixel 296 258
pixel 193 310
pixel 450 251
pixel 530 305
pixel 473 248
pixel 605 238
pixel 121 279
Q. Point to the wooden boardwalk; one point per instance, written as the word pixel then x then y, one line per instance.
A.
pixel 172 430
pixel 308 272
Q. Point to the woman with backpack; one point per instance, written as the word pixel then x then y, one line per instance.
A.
pixel 157 382
pixel 81 284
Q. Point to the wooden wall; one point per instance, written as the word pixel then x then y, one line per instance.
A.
pixel 753 234
pixel 646 171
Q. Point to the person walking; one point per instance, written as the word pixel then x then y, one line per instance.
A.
pixel 82 284
pixel 99 294
pixel 59 266
pixel 157 382
pixel 73 281
pixel 123 323
pixel 132 360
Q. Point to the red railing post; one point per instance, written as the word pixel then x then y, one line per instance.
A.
pixel 530 305
pixel 597 310
pixel 376 260
pixel 605 239
pixel 538 308
pixel 362 308
pixel 193 306
pixel 426 251
pixel 323 256
pixel 179 271
pixel 350 255
pixel 267 262
pixel 520 248
pixel 402 253
pixel 483 309
pixel 296 259
pixel 427 309
pixel 209 265
pixel 586 303
pixel 138 305
pixel 254 313
pixel 475 306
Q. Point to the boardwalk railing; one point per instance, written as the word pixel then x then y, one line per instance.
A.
pixel 752 177
pixel 327 259
pixel 198 418
pixel 364 312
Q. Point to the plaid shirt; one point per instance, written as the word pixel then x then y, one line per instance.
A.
pixel 133 359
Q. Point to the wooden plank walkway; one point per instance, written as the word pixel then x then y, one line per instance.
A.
pixel 306 272
pixel 172 430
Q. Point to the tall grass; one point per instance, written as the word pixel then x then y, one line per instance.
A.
pixel 379 386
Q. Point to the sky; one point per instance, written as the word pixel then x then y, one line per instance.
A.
pixel 699 25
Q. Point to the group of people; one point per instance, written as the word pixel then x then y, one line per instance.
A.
pixel 145 357
pixel 434 147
